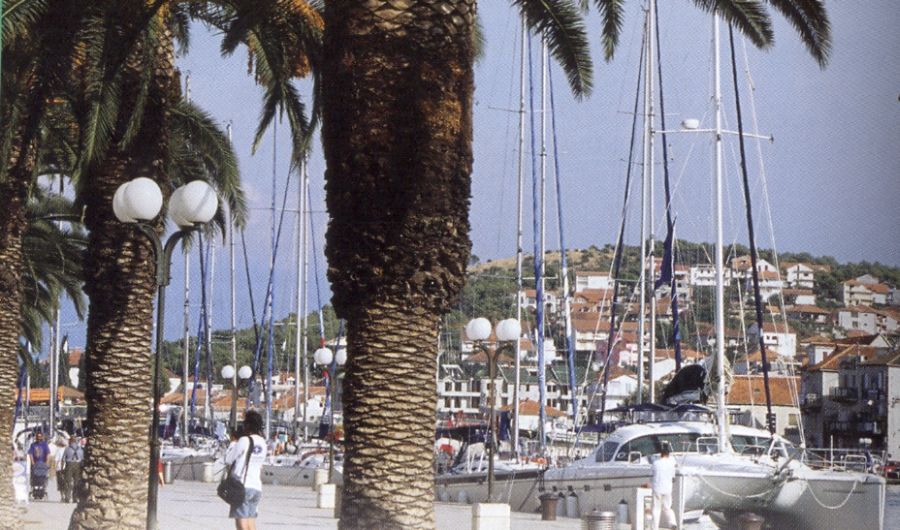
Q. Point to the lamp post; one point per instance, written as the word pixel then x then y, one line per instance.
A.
pixel 244 373
pixel 479 330
pixel 330 362
pixel 191 206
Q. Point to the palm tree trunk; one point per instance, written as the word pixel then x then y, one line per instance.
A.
pixel 389 411
pixel 13 224
pixel 120 283
pixel 397 129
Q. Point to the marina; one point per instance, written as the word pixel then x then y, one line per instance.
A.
pixel 404 313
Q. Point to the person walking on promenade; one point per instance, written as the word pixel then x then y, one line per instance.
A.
pixel 661 485
pixel 253 444
pixel 72 458
pixel 60 466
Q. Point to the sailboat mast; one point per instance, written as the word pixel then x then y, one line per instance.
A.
pixel 298 332
pixel 720 247
pixel 207 406
pixel 231 277
pixel 186 353
pixel 542 379
pixel 642 320
pixel 651 265
pixel 520 179
pixel 304 304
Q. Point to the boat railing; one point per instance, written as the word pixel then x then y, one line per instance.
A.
pixel 851 460
pixel 707 444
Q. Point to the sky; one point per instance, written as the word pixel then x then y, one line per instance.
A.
pixel 831 172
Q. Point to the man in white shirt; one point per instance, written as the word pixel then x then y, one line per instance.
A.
pixel 663 474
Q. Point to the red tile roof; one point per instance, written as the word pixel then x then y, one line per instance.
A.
pixel 750 389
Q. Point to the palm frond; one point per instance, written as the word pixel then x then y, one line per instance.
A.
pixel 202 148
pixel 612 13
pixel 747 16
pixel 560 21
pixel 810 20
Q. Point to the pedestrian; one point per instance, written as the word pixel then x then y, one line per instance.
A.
pixel 60 467
pixel 38 457
pixel 251 444
pixel 73 456
pixel 661 485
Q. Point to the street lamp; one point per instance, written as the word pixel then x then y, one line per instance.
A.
pixel 191 206
pixel 244 373
pixel 479 330
pixel 330 361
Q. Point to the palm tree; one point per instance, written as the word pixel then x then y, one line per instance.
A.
pixel 397 130
pixel 128 113
pixel 52 257
pixel 33 69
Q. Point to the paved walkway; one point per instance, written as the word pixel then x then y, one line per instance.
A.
pixel 194 505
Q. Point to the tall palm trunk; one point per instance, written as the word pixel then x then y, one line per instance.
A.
pixel 120 284
pixel 13 224
pixel 397 129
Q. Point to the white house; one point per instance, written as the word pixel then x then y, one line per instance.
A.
pixel 528 298
pixel 857 317
pixel 778 337
pixel 592 280
pixel 799 275
pixel 799 297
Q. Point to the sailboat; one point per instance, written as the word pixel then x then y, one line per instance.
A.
pixel 725 470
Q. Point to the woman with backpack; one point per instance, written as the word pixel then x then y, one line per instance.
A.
pixel 245 459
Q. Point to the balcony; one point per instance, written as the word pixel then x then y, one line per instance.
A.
pixel 837 426
pixel 844 394
pixel 869 427
pixel 811 402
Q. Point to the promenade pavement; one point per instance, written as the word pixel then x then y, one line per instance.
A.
pixel 194 506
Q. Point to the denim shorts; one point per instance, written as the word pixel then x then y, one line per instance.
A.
pixel 246 510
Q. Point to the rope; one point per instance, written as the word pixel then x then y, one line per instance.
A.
pixel 770 423
pixel 617 260
pixel 564 267
pixel 670 223
pixel 538 262
pixel 734 495
pixel 826 506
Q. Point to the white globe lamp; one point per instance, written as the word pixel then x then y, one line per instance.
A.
pixel 195 202
pixel 323 356
pixel 227 371
pixel 245 372
pixel 509 330
pixel 120 209
pixel 142 198
pixel 478 329
pixel 341 356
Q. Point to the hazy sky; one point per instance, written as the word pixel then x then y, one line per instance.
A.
pixel 831 174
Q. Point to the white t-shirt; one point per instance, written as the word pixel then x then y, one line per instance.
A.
pixel 663 474
pixel 237 454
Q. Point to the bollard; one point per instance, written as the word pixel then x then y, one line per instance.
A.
pixel 168 475
pixel 325 496
pixel 490 516
pixel 623 512
pixel 597 520
pixel 548 506
pixel 573 509
pixel 750 521
pixel 208 474
pixel 561 505
pixel 320 476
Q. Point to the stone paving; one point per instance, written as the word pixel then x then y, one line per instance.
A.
pixel 193 505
